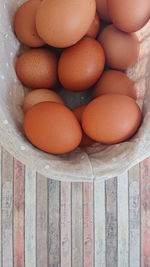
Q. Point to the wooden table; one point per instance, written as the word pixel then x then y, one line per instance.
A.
pixel 48 223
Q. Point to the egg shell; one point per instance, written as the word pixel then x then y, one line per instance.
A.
pixel 64 23
pixel 114 82
pixel 52 127
pixel 95 27
pixel 81 65
pixel 86 141
pixel 101 6
pixel 40 95
pixel 127 15
pixel 24 24
pixel 37 68
pixel 121 49
pixel 111 118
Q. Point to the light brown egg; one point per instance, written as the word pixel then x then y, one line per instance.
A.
pixel 94 28
pixel 127 15
pixel 40 95
pixel 64 23
pixel 37 68
pixel 101 6
pixel 86 141
pixel 121 49
pixel 52 127
pixel 24 24
pixel 114 82
pixel 111 118
pixel 81 65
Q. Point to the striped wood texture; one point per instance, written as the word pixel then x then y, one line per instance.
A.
pixel 45 223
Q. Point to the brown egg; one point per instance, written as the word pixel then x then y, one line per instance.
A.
pixel 64 23
pixel 86 141
pixel 40 95
pixel 81 65
pixel 52 127
pixel 24 24
pixel 121 49
pixel 114 82
pixel 127 15
pixel 102 9
pixel 37 68
pixel 94 28
pixel 111 118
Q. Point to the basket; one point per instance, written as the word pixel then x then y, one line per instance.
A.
pixel 97 162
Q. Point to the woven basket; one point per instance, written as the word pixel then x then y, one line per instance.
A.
pixel 97 162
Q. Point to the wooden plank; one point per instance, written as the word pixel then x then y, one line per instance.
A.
pixel 77 225
pixel 122 183
pixel 65 224
pixel 53 227
pixel 88 225
pixel 42 221
pixel 99 216
pixel 30 218
pixel 0 207
pixel 145 213
pixel 7 209
pixel 134 216
pixel 18 214
pixel 111 223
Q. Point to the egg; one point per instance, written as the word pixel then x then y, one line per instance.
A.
pixel 95 27
pixel 114 82
pixel 52 127
pixel 111 118
pixel 64 23
pixel 86 141
pixel 37 68
pixel 102 9
pixel 24 24
pixel 127 15
pixel 81 65
pixel 121 49
pixel 40 95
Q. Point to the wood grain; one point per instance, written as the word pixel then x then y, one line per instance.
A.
pixel 0 207
pixel 42 221
pixel 123 250
pixel 7 209
pixel 18 214
pixel 134 216
pixel 53 227
pixel 77 225
pixel 65 224
pixel 88 225
pixel 30 218
pixel 99 217
pixel 111 223
pixel 145 213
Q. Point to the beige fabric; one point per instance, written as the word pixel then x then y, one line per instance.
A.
pixel 97 162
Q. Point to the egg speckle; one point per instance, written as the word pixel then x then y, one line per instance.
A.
pixel 37 68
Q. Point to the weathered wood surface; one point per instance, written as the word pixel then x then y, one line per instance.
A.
pixel 45 223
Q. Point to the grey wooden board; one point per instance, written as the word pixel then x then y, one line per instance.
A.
pixel 54 220
pixel 42 221
pixel 111 223
pixel 77 225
